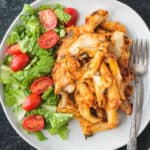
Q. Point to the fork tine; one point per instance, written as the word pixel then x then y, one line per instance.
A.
pixel 141 56
pixel 143 52
pixel 146 52
pixel 134 48
pixel 136 52
pixel 132 53
pixel 139 51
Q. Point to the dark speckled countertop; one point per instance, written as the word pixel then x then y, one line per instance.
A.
pixel 9 9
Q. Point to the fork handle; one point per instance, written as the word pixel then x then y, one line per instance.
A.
pixel 132 145
pixel 137 113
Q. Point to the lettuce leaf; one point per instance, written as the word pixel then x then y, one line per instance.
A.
pixel 17 34
pixel 49 97
pixel 5 74
pixel 62 131
pixel 45 64
pixel 59 119
pixel 59 122
pixel 14 96
pixel 40 136
pixel 28 9
pixel 19 112
pixel 7 60
pixel 33 26
pixel 62 16
pixel 13 38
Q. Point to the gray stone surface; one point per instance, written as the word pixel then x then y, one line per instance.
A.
pixel 9 9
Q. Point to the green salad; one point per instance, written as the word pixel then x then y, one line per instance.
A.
pixel 26 70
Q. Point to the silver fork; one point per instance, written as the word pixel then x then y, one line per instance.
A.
pixel 139 60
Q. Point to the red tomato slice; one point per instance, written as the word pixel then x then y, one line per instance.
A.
pixel 13 50
pixel 19 62
pixel 48 19
pixel 48 39
pixel 74 16
pixel 33 123
pixel 41 84
pixel 31 102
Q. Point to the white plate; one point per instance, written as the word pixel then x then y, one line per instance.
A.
pixel 102 140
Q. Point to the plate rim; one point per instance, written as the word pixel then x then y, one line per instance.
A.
pixel 143 125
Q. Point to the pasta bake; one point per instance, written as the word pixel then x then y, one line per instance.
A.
pixel 92 73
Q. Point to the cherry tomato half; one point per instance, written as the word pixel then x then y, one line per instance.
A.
pixel 41 84
pixel 48 39
pixel 13 50
pixel 48 19
pixel 31 102
pixel 19 62
pixel 74 16
pixel 33 123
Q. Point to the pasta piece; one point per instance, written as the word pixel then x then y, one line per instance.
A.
pixel 113 96
pixel 120 46
pixel 87 43
pixel 106 75
pixel 93 20
pixel 101 113
pixel 94 64
pixel 84 108
pixel 124 59
pixel 99 90
pixel 96 61
pixel 90 85
pixel 84 95
pixel 86 114
pixel 126 107
pixel 115 70
pixel 101 83
pixel 112 122
pixel 117 42
pixel 113 26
